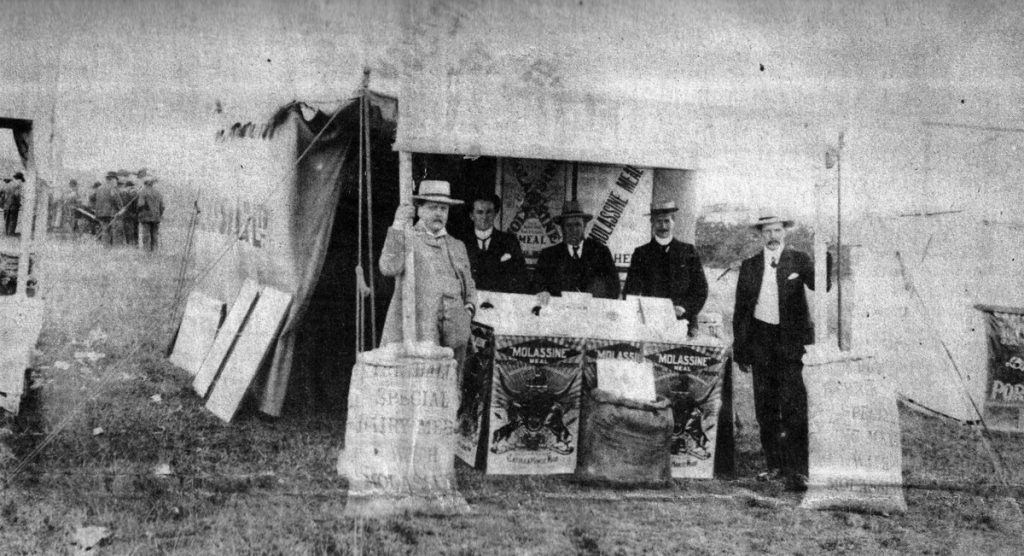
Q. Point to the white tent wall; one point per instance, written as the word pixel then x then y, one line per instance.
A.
pixel 948 239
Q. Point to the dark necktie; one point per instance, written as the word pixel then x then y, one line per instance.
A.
pixel 576 253
pixel 483 243
pixel 774 263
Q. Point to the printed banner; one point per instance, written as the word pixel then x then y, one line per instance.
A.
pixel 1004 400
pixel 535 405
pixel 532 193
pixel 690 376
pixel 618 197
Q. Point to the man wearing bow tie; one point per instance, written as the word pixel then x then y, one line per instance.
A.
pixel 496 259
pixel 667 267
pixel 771 326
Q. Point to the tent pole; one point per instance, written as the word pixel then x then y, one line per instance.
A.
pixel 839 243
pixel 408 278
pixel 28 220
pixel 820 267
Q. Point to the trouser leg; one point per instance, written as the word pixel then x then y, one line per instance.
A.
pixel 766 409
pixel 793 403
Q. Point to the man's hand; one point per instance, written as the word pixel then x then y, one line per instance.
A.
pixel 679 311
pixel 403 215
pixel 543 298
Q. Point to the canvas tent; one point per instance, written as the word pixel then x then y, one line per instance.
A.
pixel 293 224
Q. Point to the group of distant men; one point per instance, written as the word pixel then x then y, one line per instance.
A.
pixel 117 211
pixel 771 323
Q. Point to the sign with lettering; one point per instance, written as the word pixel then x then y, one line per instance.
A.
pixel 690 376
pixel 1004 399
pixel 607 349
pixel 855 458
pixel 618 197
pixel 400 436
pixel 534 406
pixel 532 194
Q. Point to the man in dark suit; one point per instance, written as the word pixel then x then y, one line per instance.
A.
pixel 771 326
pixel 576 264
pixel 495 256
pixel 666 267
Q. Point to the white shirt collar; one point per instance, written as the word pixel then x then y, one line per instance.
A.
pixel 579 248
pixel 486 234
pixel 769 254
pixel 662 242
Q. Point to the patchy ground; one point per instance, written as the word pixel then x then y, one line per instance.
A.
pixel 111 436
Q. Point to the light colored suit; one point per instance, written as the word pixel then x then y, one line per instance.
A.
pixel 444 286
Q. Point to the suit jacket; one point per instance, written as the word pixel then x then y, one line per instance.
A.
pixel 490 272
pixel 594 273
pixel 677 275
pixel 150 205
pixel 794 271
pixel 444 285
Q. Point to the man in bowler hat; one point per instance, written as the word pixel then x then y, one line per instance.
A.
pixel 771 326
pixel 576 264
pixel 666 267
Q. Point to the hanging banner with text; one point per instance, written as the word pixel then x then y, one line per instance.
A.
pixel 1004 399
pixel 533 192
pixel 618 197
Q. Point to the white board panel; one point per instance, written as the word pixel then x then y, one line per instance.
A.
pixel 198 330
pixel 225 339
pixel 258 334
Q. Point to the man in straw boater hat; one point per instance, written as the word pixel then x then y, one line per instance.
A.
pixel 576 264
pixel 666 267
pixel 771 326
pixel 445 293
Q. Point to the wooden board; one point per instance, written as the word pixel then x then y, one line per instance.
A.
pixel 226 337
pixel 203 315
pixel 20 324
pixel 257 336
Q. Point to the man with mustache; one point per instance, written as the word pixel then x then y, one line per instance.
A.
pixel 576 264
pixel 666 267
pixel 771 326
pixel 445 292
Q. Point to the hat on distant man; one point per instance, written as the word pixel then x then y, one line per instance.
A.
pixel 19 176
pixel 436 191
pixel 572 209
pixel 111 175
pixel 766 220
pixel 664 207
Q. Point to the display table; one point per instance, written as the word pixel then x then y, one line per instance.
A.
pixel 523 384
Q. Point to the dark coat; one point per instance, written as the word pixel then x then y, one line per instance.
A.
pixel 677 275
pixel 490 271
pixel 795 327
pixel 594 273
pixel 150 205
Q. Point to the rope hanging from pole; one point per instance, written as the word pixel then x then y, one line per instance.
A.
pixel 369 210
pixel 360 283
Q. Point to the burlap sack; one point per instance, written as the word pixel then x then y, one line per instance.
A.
pixel 625 441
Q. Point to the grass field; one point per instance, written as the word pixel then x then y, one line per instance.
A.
pixel 258 486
